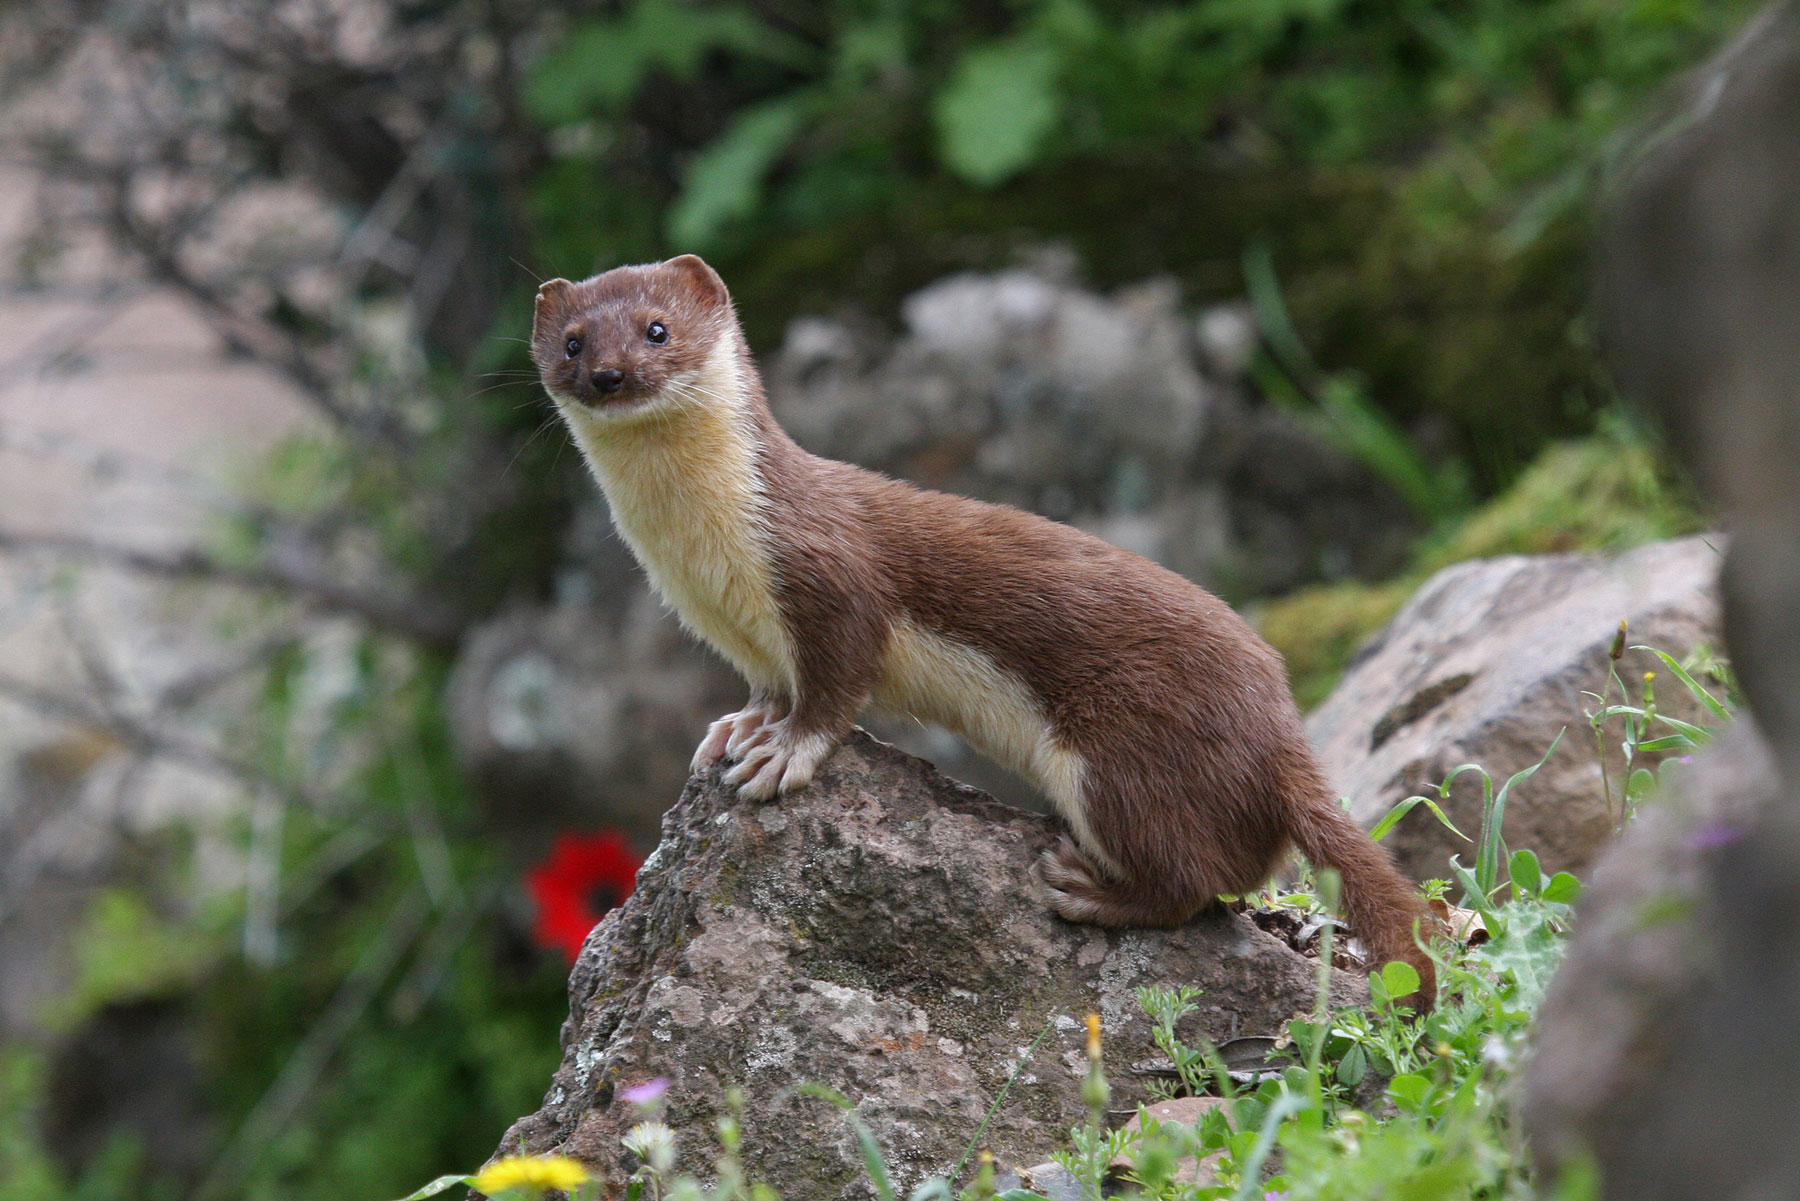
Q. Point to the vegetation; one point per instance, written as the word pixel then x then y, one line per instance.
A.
pixel 1408 185
pixel 1418 173
pixel 367 1012
pixel 1359 1104
pixel 1608 492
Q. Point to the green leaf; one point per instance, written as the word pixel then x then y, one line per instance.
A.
pixel 723 182
pixel 1668 742
pixel 1563 888
pixel 1400 810
pixel 596 63
pixel 1700 735
pixel 1526 873
pixel 1487 860
pixel 1712 703
pixel 437 1186
pixel 1399 979
pixel 997 110
pixel 601 64
pixel 1409 1090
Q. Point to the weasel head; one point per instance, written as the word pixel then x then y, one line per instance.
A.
pixel 633 342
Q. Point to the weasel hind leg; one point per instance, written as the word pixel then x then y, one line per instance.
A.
pixel 1082 892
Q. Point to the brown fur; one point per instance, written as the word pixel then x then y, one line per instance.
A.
pixel 1195 776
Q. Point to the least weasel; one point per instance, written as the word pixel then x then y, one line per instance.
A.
pixel 1153 717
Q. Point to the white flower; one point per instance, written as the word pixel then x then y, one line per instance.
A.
pixel 652 1142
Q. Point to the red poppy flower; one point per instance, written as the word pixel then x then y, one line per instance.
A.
pixel 581 878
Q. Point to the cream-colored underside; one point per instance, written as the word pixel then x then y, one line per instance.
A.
pixel 682 483
pixel 955 686
pixel 686 496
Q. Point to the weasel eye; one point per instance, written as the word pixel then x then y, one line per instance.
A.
pixel 657 333
pixel 573 347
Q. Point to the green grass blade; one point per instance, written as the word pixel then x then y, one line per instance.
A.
pixel 1698 735
pixel 865 1139
pixel 1487 862
pixel 975 1139
pixel 1387 823
pixel 1250 1179
pixel 1473 896
pixel 1713 704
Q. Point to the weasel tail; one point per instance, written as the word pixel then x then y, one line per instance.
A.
pixel 1383 907
pixel 1151 715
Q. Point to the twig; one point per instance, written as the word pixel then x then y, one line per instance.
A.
pixel 193 687
pixel 416 618
pixel 26 861
pixel 242 333
pixel 145 738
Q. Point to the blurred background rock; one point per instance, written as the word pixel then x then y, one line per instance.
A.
pixel 312 635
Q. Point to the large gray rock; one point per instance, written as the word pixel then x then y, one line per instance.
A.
pixel 879 932
pixel 1487 664
pixel 1640 965
pixel 1010 385
pixel 1023 388
pixel 1702 272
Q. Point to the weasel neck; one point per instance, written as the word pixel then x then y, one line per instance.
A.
pixel 687 495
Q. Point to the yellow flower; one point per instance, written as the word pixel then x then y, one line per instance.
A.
pixel 535 1172
pixel 1093 1039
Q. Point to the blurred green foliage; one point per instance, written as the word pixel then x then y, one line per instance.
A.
pixel 399 1022
pixel 1420 171
pixel 1608 492
pixel 395 1020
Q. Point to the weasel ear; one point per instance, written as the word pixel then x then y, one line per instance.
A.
pixel 700 279
pixel 550 295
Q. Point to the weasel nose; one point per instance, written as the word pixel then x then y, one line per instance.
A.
pixel 609 379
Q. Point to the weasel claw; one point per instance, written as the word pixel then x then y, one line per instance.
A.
pixel 735 733
pixel 751 728
pixel 712 748
pixel 780 763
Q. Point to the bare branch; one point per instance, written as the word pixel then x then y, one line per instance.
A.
pixel 243 333
pixel 106 464
pixel 416 618
pixel 144 738
pixel 193 687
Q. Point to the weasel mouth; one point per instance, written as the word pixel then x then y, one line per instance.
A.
pixel 625 400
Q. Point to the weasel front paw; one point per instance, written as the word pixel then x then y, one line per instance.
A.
pixel 777 760
pixel 732 734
